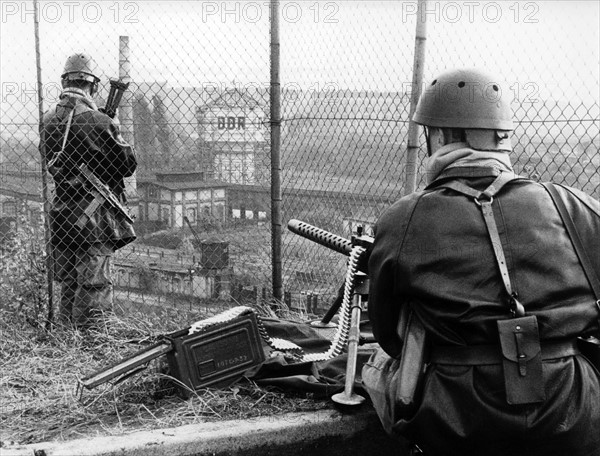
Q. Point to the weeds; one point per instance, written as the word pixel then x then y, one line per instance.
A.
pixel 40 370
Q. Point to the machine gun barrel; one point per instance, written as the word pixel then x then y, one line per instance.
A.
pixel 320 236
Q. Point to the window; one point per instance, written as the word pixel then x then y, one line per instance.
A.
pixel 166 215
pixel 190 213
pixel 219 211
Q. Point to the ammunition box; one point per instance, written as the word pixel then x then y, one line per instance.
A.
pixel 216 356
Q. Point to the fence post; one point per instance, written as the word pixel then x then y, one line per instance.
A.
pixel 45 194
pixel 275 99
pixel 288 299
pixel 412 154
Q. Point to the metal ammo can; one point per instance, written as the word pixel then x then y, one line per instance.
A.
pixel 216 356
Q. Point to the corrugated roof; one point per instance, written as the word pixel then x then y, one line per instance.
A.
pixel 211 183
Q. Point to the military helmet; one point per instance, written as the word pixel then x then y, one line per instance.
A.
pixel 81 67
pixel 465 98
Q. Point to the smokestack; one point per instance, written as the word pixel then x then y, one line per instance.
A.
pixel 126 115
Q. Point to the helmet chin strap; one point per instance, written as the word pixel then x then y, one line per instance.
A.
pixel 436 139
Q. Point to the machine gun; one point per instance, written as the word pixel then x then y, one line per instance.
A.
pixel 340 245
pixel 355 286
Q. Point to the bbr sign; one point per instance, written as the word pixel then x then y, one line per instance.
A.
pixel 231 123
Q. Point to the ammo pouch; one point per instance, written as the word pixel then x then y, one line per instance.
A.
pixel 522 360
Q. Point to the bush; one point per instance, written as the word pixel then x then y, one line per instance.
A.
pixel 23 284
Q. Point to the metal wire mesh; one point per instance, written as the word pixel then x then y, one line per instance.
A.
pixel 354 140
pixel 197 113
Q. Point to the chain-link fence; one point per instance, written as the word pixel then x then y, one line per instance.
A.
pixel 353 139
pixel 198 114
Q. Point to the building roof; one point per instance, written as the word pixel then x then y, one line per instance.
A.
pixel 233 97
pixel 183 185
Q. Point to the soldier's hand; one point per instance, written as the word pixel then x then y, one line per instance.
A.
pixel 103 111
pixel 116 120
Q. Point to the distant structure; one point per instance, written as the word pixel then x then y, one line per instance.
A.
pixel 170 196
pixel 232 137
pixel 20 201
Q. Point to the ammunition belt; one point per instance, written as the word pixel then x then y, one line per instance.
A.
pixel 238 311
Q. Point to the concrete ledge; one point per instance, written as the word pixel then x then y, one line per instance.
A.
pixel 315 433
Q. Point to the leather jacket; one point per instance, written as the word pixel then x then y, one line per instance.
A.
pixel 438 260
pixel 93 139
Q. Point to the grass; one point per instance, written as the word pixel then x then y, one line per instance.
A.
pixel 39 374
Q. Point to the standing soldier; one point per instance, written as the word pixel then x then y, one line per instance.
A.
pixel 481 257
pixel 84 236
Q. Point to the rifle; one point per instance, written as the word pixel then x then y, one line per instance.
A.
pixel 102 194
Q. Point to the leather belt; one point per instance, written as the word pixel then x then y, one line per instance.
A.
pixel 480 355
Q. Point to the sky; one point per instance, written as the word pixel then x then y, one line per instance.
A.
pixel 542 48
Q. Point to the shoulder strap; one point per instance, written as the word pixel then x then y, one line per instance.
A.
pixel 581 197
pixel 500 181
pixel 52 164
pixel 484 200
pixel 586 264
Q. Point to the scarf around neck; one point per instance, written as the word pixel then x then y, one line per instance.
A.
pixel 457 155
pixel 80 95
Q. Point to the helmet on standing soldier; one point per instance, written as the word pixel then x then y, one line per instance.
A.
pixel 81 67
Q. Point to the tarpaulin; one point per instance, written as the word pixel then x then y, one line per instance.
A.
pixel 322 378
